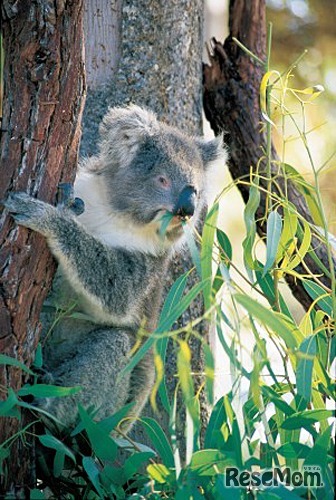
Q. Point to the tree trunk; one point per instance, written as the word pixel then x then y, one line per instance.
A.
pixel 231 89
pixel 43 97
pixel 158 66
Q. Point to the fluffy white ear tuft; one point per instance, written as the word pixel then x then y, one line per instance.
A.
pixel 212 150
pixel 122 131
pixel 129 123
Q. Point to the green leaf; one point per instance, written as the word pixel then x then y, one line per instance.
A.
pixel 293 450
pixel 225 245
pixel 305 237
pixel 184 371
pixel 209 368
pixel 306 418
pixel 235 432
pixel 304 369
pixel 316 292
pixel 251 227
pixel 213 431
pixel 266 284
pixel 223 269
pixel 38 360
pixel 9 361
pixel 165 221
pixel 209 462
pixel 228 350
pixel 133 463
pixel 208 235
pixel 225 274
pixel 283 493
pixel 188 490
pixel 226 492
pixel 9 403
pixel 167 322
pixel 158 472
pixel 332 354
pixel 52 442
pixel 110 423
pixel 162 345
pixel 125 444
pixel 174 297
pixel 273 233
pixel 47 391
pixel 164 325
pixel 318 454
pixel 102 444
pixel 265 83
pixel 58 463
pixel 306 325
pixel 289 230
pixel 274 398
pixel 92 471
pixel 280 324
pixel 36 494
pixel 158 439
pixel 308 192
pixel 112 476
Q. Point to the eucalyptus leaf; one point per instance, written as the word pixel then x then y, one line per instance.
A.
pixel 306 418
pixel 210 462
pixel 47 391
pixel 9 361
pixel 159 440
pixel 103 445
pixel 273 233
pixel 304 369
pixel 251 227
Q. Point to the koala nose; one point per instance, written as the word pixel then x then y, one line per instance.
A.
pixel 186 203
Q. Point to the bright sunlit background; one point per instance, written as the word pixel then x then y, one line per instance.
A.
pixel 298 25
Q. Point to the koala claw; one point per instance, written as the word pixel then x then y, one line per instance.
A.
pixel 18 204
pixel 65 198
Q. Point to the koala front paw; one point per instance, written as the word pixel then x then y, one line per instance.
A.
pixel 66 198
pixel 30 212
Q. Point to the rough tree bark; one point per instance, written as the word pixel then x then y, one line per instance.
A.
pixel 43 97
pixel 158 66
pixel 231 86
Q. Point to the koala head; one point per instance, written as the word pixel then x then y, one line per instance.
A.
pixel 150 168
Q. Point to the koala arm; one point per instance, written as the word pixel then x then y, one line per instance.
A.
pixel 107 277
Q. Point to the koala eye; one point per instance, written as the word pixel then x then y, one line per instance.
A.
pixel 163 181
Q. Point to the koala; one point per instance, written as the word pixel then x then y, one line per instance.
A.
pixel 112 258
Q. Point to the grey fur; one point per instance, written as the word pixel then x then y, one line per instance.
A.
pixel 112 259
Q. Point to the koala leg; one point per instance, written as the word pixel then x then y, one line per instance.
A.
pixel 95 365
pixel 141 383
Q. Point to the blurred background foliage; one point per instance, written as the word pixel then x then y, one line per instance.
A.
pixel 311 25
pixel 300 25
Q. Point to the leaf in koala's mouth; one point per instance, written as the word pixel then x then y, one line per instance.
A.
pixel 165 221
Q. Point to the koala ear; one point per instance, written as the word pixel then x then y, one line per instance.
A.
pixel 128 124
pixel 122 131
pixel 212 150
